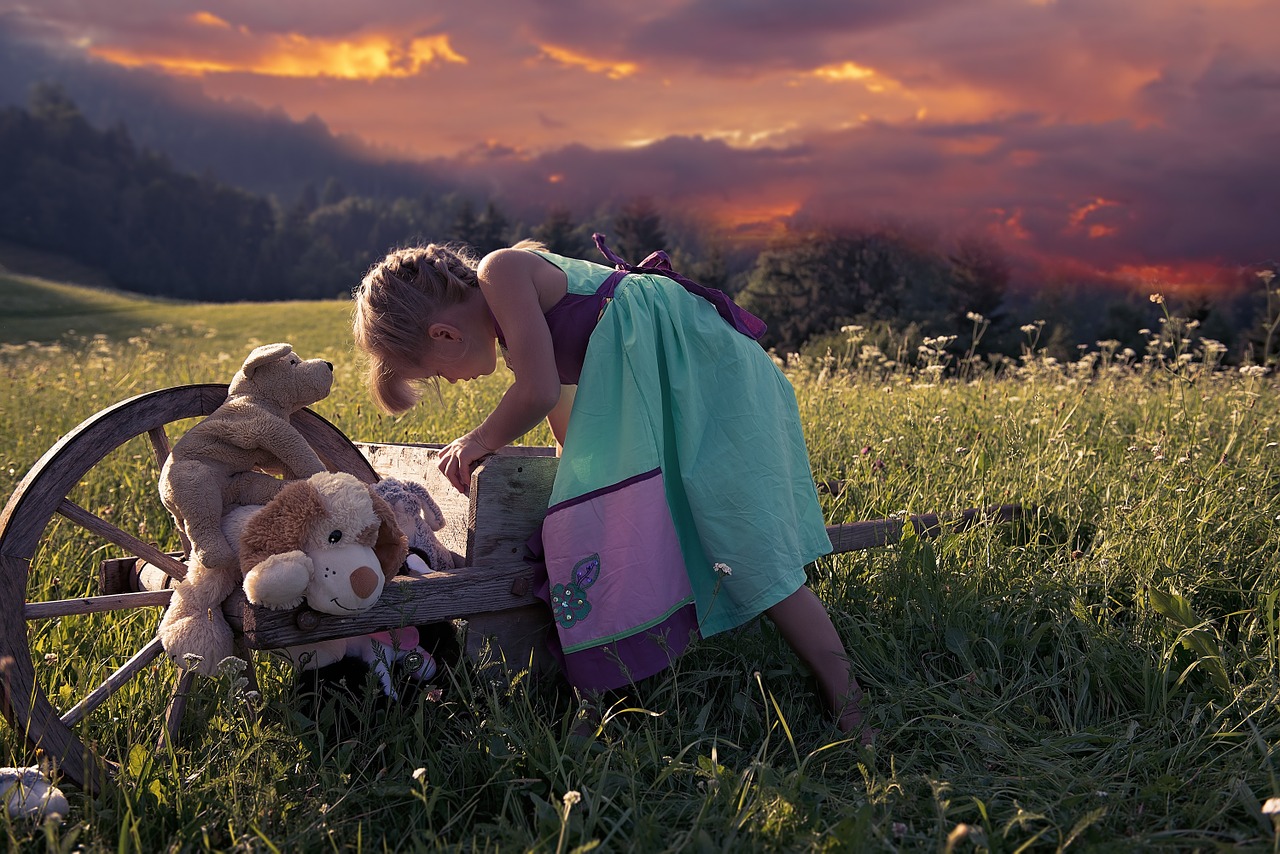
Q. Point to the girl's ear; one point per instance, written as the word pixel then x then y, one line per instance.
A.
pixel 444 332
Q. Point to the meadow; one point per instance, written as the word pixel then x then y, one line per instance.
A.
pixel 1103 675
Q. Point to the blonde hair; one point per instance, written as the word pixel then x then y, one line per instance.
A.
pixel 395 304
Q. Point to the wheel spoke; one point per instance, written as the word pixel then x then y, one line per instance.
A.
pixel 94 604
pixel 160 444
pixel 172 567
pixel 115 682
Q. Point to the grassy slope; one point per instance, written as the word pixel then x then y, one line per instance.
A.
pixel 1105 676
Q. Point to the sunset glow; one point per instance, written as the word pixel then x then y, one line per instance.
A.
pixel 369 57
pixel 1135 138
pixel 611 69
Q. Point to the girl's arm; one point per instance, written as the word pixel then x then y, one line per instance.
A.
pixel 558 418
pixel 507 280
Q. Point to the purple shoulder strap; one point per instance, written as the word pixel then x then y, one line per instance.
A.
pixel 659 263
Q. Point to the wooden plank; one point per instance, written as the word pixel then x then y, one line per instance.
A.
pixel 94 604
pixel 115 681
pixel 171 566
pixel 855 536
pixel 508 502
pixel 405 602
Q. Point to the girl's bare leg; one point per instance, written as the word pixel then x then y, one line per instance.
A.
pixel 806 626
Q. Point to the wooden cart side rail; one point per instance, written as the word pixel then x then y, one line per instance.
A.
pixel 491 589
pixel 405 601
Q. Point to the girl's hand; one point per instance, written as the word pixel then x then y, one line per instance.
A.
pixel 459 457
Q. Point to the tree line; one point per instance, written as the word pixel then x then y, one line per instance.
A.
pixel 93 195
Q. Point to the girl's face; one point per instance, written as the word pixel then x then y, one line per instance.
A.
pixel 463 346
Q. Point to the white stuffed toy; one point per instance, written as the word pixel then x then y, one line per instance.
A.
pixel 29 794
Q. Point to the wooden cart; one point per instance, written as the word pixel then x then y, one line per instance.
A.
pixel 493 590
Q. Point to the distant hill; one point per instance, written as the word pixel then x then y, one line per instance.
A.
pixel 240 144
pixel 48 311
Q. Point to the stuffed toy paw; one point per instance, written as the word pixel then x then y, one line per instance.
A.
pixel 280 581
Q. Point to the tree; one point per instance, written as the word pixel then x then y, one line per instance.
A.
pixel 816 283
pixel 637 231
pixel 490 230
pixel 464 228
pixel 559 234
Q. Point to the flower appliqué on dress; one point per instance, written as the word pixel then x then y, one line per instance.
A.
pixel 569 603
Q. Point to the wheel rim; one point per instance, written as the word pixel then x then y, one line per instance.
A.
pixel 42 495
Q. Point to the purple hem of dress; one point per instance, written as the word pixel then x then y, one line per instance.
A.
pixel 604 490
pixel 626 661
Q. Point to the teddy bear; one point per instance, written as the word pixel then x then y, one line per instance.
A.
pixel 222 463
pixel 223 460
pixel 419 517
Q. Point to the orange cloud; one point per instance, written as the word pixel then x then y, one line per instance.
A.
pixel 846 72
pixel 612 70
pixel 368 57
pixel 208 19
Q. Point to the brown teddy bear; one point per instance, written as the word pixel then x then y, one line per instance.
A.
pixel 222 463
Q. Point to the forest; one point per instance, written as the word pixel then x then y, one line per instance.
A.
pixel 94 196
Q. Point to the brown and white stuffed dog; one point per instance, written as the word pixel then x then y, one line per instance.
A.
pixel 329 541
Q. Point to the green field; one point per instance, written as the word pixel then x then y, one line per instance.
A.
pixel 1103 676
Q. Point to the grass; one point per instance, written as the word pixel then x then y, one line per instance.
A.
pixel 1102 676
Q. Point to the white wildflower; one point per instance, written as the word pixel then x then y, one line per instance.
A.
pixel 419 773
pixel 723 568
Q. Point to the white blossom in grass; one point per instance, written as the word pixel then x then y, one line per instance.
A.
pixel 724 569
pixel 571 797
pixel 1253 370
pixel 1158 299
pixel 1271 807
pixel 419 774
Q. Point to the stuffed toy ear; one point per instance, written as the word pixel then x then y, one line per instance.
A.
pixel 391 546
pixel 280 526
pixel 430 510
pixel 262 355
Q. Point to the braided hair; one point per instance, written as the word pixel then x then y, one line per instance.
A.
pixel 396 303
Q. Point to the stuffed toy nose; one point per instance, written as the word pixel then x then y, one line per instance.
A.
pixel 363 582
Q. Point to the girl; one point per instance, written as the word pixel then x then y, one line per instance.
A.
pixel 683 504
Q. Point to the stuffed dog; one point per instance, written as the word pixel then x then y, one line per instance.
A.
pixel 327 540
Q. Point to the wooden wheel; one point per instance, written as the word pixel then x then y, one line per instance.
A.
pixel 55 515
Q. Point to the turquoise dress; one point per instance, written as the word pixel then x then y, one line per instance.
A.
pixel 683 504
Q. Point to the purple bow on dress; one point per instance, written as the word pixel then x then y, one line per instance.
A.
pixel 659 263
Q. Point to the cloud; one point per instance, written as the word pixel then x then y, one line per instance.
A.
pixel 1125 135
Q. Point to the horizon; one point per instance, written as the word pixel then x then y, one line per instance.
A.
pixel 1130 142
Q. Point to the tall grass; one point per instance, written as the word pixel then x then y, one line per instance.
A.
pixel 1103 675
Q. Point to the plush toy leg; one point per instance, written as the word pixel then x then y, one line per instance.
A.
pixel 251 487
pixel 194 625
pixel 280 581
pixel 199 514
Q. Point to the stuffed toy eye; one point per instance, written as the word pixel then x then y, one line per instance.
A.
pixel 335 536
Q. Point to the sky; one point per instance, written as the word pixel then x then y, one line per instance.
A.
pixel 1136 138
